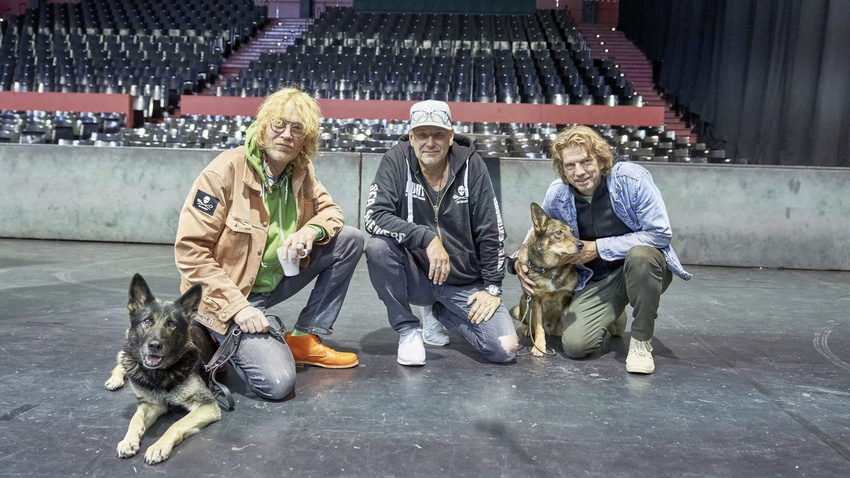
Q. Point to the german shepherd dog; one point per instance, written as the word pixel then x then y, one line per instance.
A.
pixel 545 253
pixel 162 359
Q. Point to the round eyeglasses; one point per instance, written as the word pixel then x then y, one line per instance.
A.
pixel 295 129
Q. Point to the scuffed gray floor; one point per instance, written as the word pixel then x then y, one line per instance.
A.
pixel 752 379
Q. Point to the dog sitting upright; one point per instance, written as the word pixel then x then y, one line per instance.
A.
pixel 546 253
pixel 162 359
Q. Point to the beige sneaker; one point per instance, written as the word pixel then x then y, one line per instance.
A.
pixel 618 327
pixel 640 358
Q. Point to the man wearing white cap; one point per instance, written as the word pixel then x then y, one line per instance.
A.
pixel 437 239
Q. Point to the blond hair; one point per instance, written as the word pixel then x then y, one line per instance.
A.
pixel 308 110
pixel 588 140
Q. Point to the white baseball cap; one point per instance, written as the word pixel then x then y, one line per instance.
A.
pixel 431 113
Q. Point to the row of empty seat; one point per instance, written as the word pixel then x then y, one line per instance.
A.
pixel 492 139
pixel 157 51
pixel 152 51
pixel 99 46
pixel 539 58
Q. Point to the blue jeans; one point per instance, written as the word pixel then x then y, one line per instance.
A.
pixel 264 362
pixel 399 283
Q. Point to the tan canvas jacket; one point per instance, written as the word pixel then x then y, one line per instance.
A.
pixel 223 229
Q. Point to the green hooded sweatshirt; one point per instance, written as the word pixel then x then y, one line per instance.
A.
pixel 280 203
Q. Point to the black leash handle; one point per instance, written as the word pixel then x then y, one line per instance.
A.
pixel 225 350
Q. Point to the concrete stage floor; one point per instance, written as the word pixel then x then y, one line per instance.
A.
pixel 752 379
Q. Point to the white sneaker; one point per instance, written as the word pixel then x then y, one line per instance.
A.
pixel 411 349
pixel 640 358
pixel 434 333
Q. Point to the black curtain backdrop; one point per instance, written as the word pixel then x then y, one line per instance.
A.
pixel 766 80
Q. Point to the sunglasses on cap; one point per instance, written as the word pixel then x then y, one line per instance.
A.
pixel 439 116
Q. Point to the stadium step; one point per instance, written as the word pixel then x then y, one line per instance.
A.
pixel 274 37
pixel 606 42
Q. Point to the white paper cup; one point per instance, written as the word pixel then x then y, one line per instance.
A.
pixel 289 261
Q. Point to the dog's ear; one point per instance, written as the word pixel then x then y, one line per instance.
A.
pixel 538 217
pixel 190 301
pixel 140 294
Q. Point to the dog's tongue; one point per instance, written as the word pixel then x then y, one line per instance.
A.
pixel 152 360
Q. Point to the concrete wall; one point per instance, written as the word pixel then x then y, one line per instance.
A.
pixel 722 215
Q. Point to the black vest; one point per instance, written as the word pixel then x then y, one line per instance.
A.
pixel 596 219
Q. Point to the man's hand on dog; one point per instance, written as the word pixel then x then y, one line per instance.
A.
pixel 483 306
pixel 588 253
pixel 524 282
pixel 440 266
pixel 251 320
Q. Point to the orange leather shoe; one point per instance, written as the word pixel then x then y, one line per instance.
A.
pixel 309 350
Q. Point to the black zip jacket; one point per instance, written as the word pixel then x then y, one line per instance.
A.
pixel 468 221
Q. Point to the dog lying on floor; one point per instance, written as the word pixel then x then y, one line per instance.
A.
pixel 545 253
pixel 162 358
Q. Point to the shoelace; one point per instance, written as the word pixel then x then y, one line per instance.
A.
pixel 642 348
pixel 410 337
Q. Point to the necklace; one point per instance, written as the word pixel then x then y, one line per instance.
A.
pixel 439 192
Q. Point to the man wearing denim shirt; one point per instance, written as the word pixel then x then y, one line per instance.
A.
pixel 618 213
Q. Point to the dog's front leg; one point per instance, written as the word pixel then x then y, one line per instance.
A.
pixel 146 414
pixel 116 379
pixel 538 332
pixel 187 426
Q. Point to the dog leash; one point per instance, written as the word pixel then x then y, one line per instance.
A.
pixel 524 320
pixel 226 350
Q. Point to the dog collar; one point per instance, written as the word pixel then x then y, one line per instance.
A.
pixel 536 268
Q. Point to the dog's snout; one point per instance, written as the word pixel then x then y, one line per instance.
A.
pixel 579 245
pixel 155 346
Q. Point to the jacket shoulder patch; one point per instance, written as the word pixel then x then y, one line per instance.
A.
pixel 205 202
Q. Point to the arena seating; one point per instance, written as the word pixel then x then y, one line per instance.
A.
pixel 492 139
pixel 131 47
pixel 538 58
pixel 156 51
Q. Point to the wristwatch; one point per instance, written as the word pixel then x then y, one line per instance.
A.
pixel 493 290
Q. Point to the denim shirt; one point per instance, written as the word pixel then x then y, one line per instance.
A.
pixel 637 202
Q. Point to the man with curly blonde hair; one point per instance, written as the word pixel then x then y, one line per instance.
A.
pixel 617 211
pixel 252 208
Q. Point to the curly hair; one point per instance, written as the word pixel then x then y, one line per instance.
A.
pixel 585 138
pixel 308 109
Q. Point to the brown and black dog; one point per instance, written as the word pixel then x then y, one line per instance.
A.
pixel 546 252
pixel 162 359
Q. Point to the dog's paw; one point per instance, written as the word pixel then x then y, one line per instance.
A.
pixel 536 351
pixel 114 383
pixel 158 452
pixel 128 448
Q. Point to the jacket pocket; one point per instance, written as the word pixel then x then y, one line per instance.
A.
pixel 234 244
pixel 238 225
